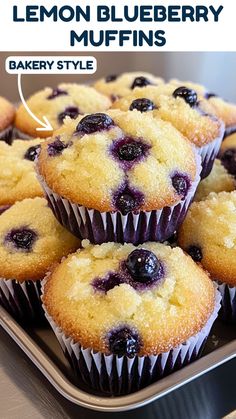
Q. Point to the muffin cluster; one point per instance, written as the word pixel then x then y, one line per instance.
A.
pixel 88 211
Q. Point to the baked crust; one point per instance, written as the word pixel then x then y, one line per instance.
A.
pixel 85 98
pixel 192 122
pixel 122 85
pixel 210 225
pixel 225 111
pixel 219 180
pixel 164 316
pixel 18 178
pixel 53 241
pixel 87 174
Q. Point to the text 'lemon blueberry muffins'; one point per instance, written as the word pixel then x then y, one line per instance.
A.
pixel 183 108
pixel 7 115
pixel 31 241
pixel 208 234
pixel 125 315
pixel 117 86
pixel 18 178
pixel 119 176
pixel 219 180
pixel 223 109
pixel 67 100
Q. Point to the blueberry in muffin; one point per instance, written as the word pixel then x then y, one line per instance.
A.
pixel 121 176
pixel 31 241
pixel 123 305
pixel 68 100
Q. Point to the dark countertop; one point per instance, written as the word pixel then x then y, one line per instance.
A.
pixel 25 393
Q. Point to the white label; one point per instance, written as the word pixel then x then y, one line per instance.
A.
pixel 51 65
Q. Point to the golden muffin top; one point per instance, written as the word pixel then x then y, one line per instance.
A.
pixel 152 294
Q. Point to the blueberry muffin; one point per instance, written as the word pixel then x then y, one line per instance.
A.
pixel 227 154
pixel 31 241
pixel 208 234
pixel 18 178
pixel 117 86
pixel 120 176
pixel 219 180
pixel 221 108
pixel 7 115
pixel 129 306
pixel 181 107
pixel 67 100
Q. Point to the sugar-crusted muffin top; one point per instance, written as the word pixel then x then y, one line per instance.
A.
pixel 227 154
pixel 31 240
pixel 18 178
pixel 208 234
pixel 126 300
pixel 224 110
pixel 7 113
pixel 219 180
pixel 116 86
pixel 67 100
pixel 124 161
pixel 180 106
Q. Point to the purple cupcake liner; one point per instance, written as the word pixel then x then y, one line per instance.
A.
pixel 6 135
pixel 100 227
pixel 209 153
pixel 22 300
pixel 122 375
pixel 228 309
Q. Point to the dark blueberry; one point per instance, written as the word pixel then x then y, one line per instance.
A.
pixel 130 151
pixel 142 105
pixel 32 152
pixel 57 92
pixel 140 82
pixel 126 203
pixel 144 266
pixel 109 282
pixel 124 342
pixel 111 77
pixel 128 200
pixel 22 238
pixel 210 95
pixel 181 184
pixel 94 123
pixel 56 148
pixel 195 253
pixel 228 159
pixel 71 111
pixel 189 95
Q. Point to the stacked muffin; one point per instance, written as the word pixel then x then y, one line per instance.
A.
pixel 119 172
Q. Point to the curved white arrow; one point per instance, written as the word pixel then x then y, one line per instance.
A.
pixel 45 126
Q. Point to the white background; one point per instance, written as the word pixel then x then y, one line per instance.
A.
pixel 55 36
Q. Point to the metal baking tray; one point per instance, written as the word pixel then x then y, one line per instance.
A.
pixel 42 348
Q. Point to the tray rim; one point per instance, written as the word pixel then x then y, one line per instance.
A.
pixel 111 404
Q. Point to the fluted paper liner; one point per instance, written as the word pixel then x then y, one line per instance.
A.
pixel 122 375
pixel 209 153
pixel 135 227
pixel 6 135
pixel 228 310
pixel 22 300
